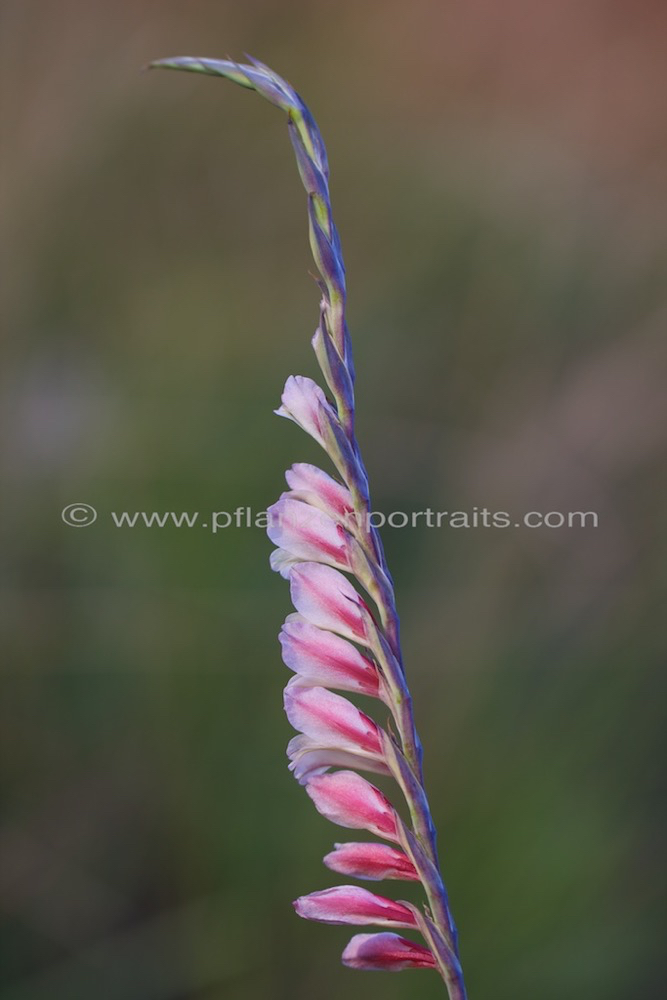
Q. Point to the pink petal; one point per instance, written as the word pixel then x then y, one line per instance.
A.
pixel 309 758
pixel 386 952
pixel 304 402
pixel 326 598
pixel 331 720
pixel 349 800
pixel 308 533
pixel 371 861
pixel 318 488
pixel 324 658
pixel 350 904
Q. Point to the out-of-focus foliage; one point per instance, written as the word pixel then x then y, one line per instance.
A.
pixel 498 174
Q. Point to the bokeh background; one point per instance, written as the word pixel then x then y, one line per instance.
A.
pixel 499 176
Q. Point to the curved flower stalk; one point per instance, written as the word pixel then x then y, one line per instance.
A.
pixel 338 638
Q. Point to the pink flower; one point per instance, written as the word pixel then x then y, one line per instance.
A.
pixel 349 800
pixel 386 951
pixel 316 487
pixel 371 861
pixel 308 758
pixel 304 402
pixel 327 599
pixel 350 904
pixel 304 532
pixel 330 720
pixel 324 658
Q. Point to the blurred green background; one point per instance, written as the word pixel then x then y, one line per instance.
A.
pixel 498 174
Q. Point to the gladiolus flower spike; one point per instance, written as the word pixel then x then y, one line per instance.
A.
pixel 338 639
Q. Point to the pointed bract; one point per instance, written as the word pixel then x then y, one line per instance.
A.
pixel 335 369
pixel 325 253
pixel 313 177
